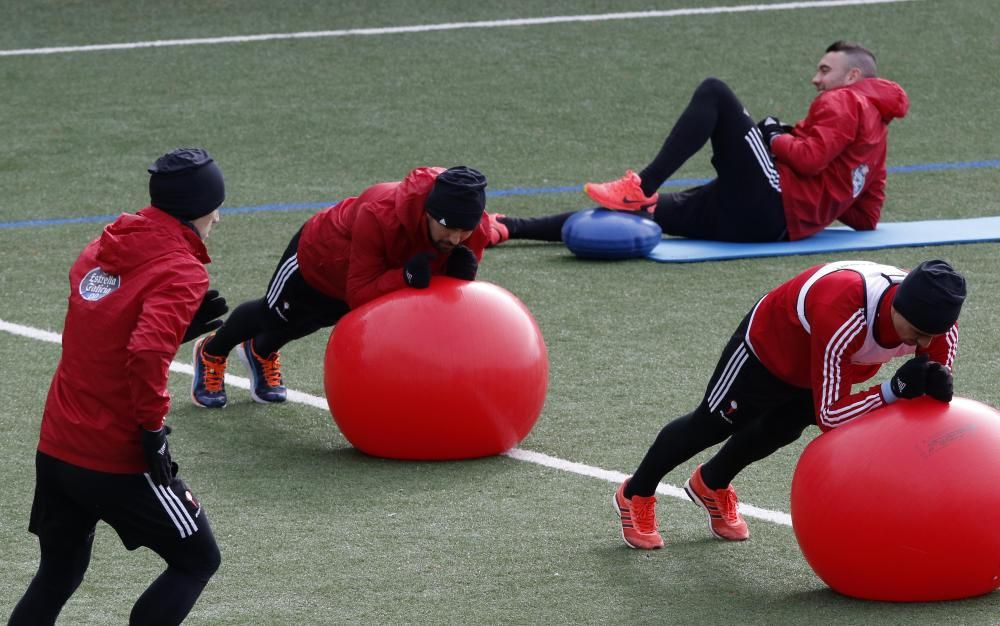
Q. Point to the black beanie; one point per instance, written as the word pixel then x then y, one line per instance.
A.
pixel 186 183
pixel 457 199
pixel 931 297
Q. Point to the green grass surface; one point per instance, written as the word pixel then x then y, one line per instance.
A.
pixel 313 532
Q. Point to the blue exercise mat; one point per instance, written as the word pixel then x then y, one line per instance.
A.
pixel 835 239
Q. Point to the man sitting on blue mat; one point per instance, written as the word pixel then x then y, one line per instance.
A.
pixel 792 363
pixel 774 182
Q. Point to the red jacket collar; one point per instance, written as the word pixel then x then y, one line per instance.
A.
pixel 185 229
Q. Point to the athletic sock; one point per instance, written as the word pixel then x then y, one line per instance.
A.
pixel 547 228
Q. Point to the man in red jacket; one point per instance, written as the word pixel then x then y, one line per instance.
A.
pixel 774 182
pixel 393 235
pixel 793 362
pixel 136 293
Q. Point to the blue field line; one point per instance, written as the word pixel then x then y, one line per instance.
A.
pixel 516 191
pixel 926 167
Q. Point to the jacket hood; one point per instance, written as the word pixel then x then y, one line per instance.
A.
pixel 411 193
pixel 887 96
pixel 146 237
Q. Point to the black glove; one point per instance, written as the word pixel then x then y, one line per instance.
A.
pixel 157 453
pixel 462 263
pixel 417 271
pixel 910 380
pixel 940 383
pixel 206 318
pixel 771 127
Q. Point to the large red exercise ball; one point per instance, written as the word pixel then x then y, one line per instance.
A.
pixel 606 234
pixel 902 504
pixel 458 370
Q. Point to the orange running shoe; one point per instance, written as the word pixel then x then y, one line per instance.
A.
pixel 498 230
pixel 724 519
pixel 624 194
pixel 208 387
pixel 638 515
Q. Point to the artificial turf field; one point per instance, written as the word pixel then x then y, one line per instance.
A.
pixel 313 532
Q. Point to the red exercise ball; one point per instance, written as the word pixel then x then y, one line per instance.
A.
pixel 458 370
pixel 902 504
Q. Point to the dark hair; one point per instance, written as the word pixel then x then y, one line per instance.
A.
pixel 857 55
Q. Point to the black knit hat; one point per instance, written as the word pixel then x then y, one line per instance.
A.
pixel 186 183
pixel 931 297
pixel 457 199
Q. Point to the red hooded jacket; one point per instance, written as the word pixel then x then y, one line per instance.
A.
pixel 356 249
pixel 832 164
pixel 133 293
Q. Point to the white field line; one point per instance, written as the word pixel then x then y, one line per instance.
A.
pixel 519 454
pixel 423 28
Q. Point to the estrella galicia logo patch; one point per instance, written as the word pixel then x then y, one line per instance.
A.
pixel 97 284
pixel 858 177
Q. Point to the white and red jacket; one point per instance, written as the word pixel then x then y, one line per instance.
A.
pixel 356 249
pixel 133 293
pixel 832 164
pixel 830 328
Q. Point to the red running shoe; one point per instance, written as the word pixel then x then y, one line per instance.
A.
pixel 624 194
pixel 498 230
pixel 638 515
pixel 724 519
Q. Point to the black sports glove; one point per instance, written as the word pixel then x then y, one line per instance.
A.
pixel 417 271
pixel 157 453
pixel 771 127
pixel 206 318
pixel 462 263
pixel 910 380
pixel 940 383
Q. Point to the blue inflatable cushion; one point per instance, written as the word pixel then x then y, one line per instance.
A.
pixel 605 234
